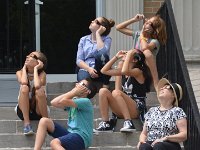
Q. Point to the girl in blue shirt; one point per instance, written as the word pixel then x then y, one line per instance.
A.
pixel 94 50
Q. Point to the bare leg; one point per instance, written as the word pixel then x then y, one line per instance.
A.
pixel 122 105
pixel 56 144
pixel 126 107
pixel 41 102
pixel 151 62
pixel 44 125
pixel 24 103
pixel 104 96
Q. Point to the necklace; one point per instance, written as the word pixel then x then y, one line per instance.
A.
pixel 30 74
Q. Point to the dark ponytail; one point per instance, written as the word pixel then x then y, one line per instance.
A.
pixel 141 64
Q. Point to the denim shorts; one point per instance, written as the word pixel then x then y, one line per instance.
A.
pixel 141 105
pixel 70 141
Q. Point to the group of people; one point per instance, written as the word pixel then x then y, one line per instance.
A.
pixel 164 126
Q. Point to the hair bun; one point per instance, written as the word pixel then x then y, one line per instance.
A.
pixel 112 23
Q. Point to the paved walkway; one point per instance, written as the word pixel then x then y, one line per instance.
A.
pixel 194 72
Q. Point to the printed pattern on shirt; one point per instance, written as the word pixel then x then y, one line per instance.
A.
pixel 162 123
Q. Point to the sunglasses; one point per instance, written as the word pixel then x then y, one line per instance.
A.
pixel 83 84
pixel 33 56
pixel 167 86
pixel 150 23
pixel 97 22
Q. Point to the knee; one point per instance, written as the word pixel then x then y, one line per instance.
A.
pixel 40 92
pixel 55 142
pixel 145 146
pixel 158 146
pixel 116 93
pixel 24 89
pixel 43 121
pixel 103 92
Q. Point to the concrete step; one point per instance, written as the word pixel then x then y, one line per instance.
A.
pixel 90 148
pixel 8 113
pixel 16 126
pixel 120 122
pixel 99 140
pixel 11 126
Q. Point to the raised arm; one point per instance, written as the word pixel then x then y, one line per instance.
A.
pixel 65 100
pixel 122 27
pixel 39 79
pixel 108 70
pixel 22 76
pixel 128 69
pixel 100 43
pixel 126 66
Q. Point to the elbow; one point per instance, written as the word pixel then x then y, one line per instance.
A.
pixel 102 71
pixel 54 103
pixel 118 28
pixel 78 62
pixel 185 137
pixel 57 103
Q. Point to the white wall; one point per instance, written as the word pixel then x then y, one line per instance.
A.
pixel 188 23
pixel 119 11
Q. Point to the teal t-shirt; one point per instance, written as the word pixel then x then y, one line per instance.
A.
pixel 136 43
pixel 80 119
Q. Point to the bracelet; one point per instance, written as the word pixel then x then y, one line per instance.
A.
pixel 116 57
pixel 143 38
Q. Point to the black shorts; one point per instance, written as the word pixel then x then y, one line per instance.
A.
pixel 32 115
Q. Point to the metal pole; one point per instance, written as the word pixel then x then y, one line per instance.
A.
pixel 100 8
pixel 32 43
pixel 37 23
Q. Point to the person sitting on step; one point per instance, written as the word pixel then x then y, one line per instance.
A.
pixel 94 51
pixel 78 133
pixel 165 125
pixel 32 102
pixel 148 40
pixel 128 103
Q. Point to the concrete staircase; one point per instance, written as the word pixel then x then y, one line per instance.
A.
pixel 12 138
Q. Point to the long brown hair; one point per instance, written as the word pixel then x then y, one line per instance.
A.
pixel 160 29
pixel 43 59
